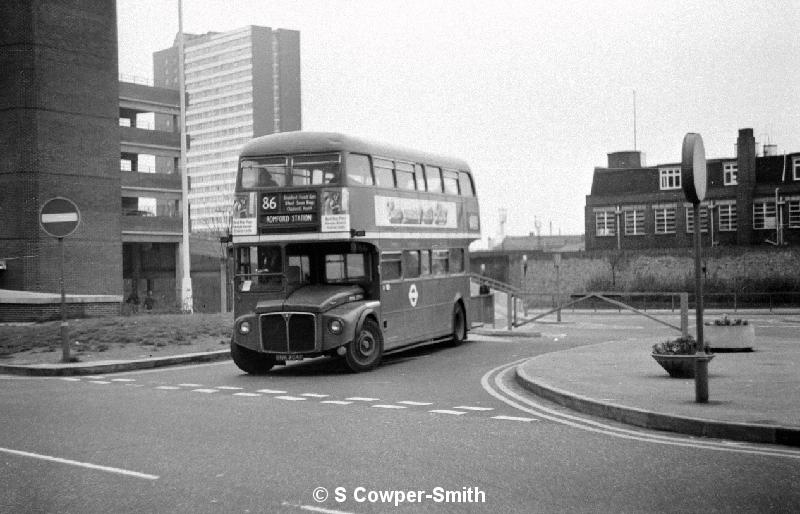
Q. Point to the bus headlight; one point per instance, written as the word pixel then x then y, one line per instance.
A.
pixel 244 328
pixel 335 326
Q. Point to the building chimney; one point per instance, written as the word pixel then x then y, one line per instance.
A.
pixel 746 179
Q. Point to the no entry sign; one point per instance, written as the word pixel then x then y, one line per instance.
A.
pixel 59 217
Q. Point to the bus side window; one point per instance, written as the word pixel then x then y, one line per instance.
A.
pixel 456 260
pixel 433 176
pixel 411 263
pixel 384 172
pixel 465 184
pixel 405 176
pixel 440 262
pixel 358 170
pixel 425 262
pixel 391 268
pixel 420 175
pixel 450 182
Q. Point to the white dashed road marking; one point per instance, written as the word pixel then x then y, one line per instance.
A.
pixel 230 388
pixel 246 394
pixel 271 391
pixel 336 402
pixel 446 411
pixel 168 388
pixel 71 379
pixel 190 385
pixel 380 406
pixel 291 398
pixel 315 395
pixel 103 382
pixel 360 399
pixel 206 391
pixel 409 402
pixel 123 380
pixel 474 408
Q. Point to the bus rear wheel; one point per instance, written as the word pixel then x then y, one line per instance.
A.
pixel 251 362
pixel 366 350
pixel 459 325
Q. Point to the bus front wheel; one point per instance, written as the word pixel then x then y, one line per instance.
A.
pixel 251 362
pixel 459 325
pixel 365 351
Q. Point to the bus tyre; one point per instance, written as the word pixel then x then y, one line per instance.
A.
pixel 365 351
pixel 251 362
pixel 459 325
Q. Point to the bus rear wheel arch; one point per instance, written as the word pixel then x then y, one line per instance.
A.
pixel 365 351
pixel 251 361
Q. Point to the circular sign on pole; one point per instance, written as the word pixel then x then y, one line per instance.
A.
pixel 694 176
pixel 59 217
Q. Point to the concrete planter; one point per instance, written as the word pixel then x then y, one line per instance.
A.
pixel 678 366
pixel 731 338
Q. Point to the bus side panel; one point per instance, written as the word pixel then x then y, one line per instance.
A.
pixel 431 317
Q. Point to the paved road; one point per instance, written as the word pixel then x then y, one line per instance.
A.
pixel 207 438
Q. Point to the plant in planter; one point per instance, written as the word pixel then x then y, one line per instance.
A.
pixel 677 356
pixel 727 335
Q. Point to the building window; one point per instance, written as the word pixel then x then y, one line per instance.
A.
pixel 634 221
pixel 729 171
pixel 665 218
pixel 670 178
pixel 796 168
pixel 689 209
pixel 727 216
pixel 604 222
pixel 764 214
pixel 793 205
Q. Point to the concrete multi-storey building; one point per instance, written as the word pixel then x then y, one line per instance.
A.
pixel 240 84
pixel 751 200
pixel 151 220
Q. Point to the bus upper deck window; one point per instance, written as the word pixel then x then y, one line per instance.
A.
pixel 433 176
pixel 450 182
pixel 384 176
pixel 358 170
pixel 266 172
pixel 315 170
pixel 465 184
pixel 405 176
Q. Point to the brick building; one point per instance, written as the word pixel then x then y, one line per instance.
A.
pixel 59 117
pixel 752 200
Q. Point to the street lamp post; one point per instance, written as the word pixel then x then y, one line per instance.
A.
pixel 187 304
pixel 524 284
pixel 557 263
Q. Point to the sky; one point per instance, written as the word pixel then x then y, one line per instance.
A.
pixel 532 94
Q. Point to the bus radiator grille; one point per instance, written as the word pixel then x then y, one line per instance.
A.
pixel 288 332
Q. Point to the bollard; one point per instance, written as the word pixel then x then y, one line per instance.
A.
pixel 701 378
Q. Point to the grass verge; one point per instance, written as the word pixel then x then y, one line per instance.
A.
pixel 99 334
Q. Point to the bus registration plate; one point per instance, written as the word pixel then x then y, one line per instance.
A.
pixel 288 357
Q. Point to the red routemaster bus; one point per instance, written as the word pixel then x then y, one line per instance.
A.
pixel 347 247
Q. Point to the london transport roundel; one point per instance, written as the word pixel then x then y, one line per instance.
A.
pixel 413 295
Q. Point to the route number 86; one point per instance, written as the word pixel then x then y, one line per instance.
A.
pixel 269 203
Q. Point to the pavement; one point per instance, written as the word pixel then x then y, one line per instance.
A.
pixel 753 396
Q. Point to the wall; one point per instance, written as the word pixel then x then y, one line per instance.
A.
pixel 727 269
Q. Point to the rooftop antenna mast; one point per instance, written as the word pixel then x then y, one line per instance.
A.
pixel 634 120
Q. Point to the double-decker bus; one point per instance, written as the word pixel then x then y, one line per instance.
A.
pixel 347 247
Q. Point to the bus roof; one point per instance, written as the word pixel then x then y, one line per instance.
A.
pixel 284 143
